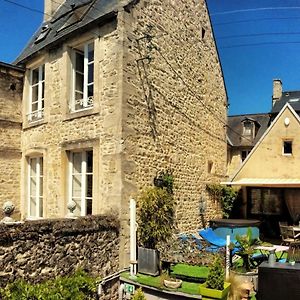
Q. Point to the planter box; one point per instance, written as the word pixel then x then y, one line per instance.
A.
pixel 214 294
pixel 148 261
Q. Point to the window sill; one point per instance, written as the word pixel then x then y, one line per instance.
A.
pixel 80 113
pixel 27 125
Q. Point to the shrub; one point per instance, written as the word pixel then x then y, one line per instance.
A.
pixel 78 286
pixel 216 276
pixel 138 295
pixel 225 195
pixel 155 216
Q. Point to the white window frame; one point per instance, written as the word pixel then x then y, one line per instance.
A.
pixel 38 114
pixel 87 102
pixel 83 176
pixel 38 195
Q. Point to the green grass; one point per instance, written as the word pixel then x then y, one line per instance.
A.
pixel 186 287
pixel 195 273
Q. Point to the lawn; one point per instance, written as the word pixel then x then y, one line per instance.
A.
pixel 191 288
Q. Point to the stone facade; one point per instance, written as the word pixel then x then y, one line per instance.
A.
pixel 11 84
pixel 175 117
pixel 159 103
pixel 44 249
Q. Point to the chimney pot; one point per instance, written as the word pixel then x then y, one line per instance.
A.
pixel 277 90
pixel 50 7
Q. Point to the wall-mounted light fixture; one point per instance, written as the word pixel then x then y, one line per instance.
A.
pixel 202 204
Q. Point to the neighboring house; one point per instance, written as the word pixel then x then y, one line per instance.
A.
pixel 270 175
pixel 114 92
pixel 243 133
pixel 11 84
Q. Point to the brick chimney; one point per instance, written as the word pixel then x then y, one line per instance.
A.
pixel 50 7
pixel 277 90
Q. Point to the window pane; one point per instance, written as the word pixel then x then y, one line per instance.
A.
pixel 43 90
pixel 91 52
pixel 79 62
pixel 32 163
pixel 89 159
pixel 89 206
pixel 32 206
pixel 41 187
pixel 35 93
pixel 78 206
pixel 89 185
pixel 34 107
pixel 90 90
pixel 91 73
pixel 32 186
pixel 41 206
pixel 76 186
pixel 79 82
pixel 77 159
pixel 43 72
pixel 35 76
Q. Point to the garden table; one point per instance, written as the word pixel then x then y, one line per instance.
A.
pixel 265 250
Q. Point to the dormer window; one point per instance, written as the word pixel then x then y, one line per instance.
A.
pixel 248 128
pixel 83 77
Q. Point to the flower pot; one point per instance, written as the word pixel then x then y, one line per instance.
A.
pixel 251 277
pixel 148 261
pixel 173 284
pixel 215 294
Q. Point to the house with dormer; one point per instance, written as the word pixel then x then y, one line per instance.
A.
pixel 269 176
pixel 114 92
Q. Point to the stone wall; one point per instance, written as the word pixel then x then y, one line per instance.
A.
pixel 40 250
pixel 11 85
pixel 174 103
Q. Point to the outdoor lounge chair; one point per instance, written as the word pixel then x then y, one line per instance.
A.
pixel 216 243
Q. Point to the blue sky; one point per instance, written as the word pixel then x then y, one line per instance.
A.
pixel 267 45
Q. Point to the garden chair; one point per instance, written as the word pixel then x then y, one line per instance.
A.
pixel 216 243
pixel 294 252
pixel 287 234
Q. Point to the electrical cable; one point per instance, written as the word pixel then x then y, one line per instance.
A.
pixel 176 73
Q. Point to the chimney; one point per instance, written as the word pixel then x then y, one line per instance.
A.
pixel 277 90
pixel 50 7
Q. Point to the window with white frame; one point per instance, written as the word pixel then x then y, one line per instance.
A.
pixel 81 181
pixel 35 187
pixel 82 96
pixel 36 94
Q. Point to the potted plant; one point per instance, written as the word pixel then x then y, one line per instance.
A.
pixel 155 217
pixel 246 268
pixel 215 285
pixel 169 281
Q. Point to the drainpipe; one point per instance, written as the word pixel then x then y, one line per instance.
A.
pixel 133 227
pixel 110 278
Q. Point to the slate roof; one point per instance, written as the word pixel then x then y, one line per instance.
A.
pixel 71 17
pixel 291 97
pixel 235 127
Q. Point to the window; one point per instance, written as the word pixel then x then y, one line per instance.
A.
pixel 81 181
pixel 248 127
pixel 35 187
pixel 287 147
pixel 36 94
pixel 244 154
pixel 83 77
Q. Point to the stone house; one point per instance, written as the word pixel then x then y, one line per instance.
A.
pixel 114 92
pixel 269 176
pixel 11 85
